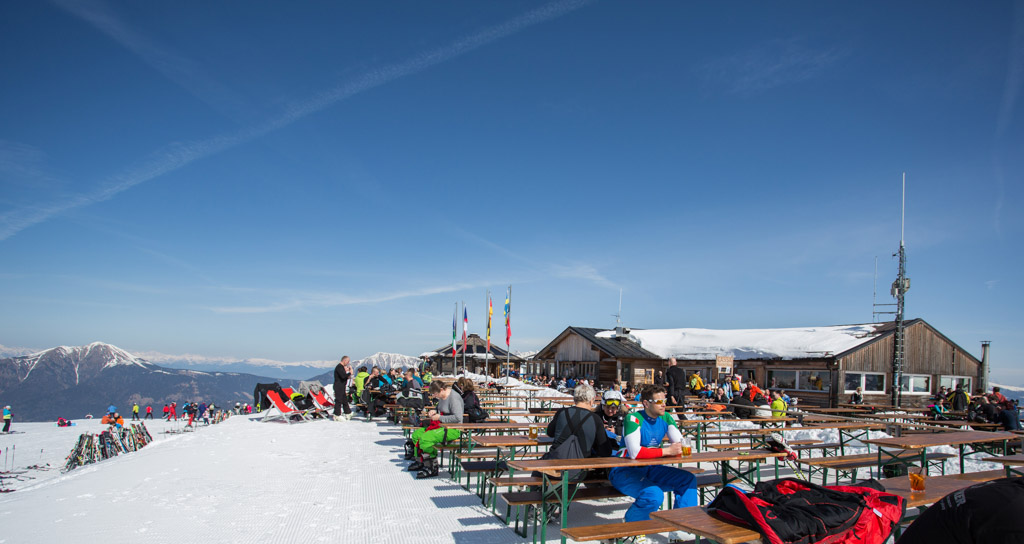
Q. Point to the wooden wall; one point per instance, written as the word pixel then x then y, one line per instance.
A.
pixel 577 349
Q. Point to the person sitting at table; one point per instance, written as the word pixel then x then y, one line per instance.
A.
pixel 858 396
pixel 611 412
pixel 1009 419
pixel 959 400
pixel 980 514
pixel 779 406
pixel 449 410
pixel 645 430
pixel 742 406
pixel 589 429
pixel 938 411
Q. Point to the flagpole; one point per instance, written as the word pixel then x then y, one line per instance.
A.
pixel 508 337
pixel 487 327
pixel 464 333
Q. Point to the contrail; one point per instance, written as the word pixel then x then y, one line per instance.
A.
pixel 176 156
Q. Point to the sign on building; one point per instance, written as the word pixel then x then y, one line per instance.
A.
pixel 643 376
pixel 724 364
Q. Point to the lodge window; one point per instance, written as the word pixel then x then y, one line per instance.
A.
pixel 950 382
pixel 916 384
pixel 867 381
pixel 799 380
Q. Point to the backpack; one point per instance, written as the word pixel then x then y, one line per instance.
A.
pixel 477 414
pixel 570 449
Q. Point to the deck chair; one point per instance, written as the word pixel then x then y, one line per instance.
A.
pixel 322 399
pixel 281 410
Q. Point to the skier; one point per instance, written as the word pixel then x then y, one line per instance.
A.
pixel 149 412
pixel 174 411
pixel 135 411
pixel 7 418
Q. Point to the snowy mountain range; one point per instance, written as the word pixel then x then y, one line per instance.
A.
pixel 381 359
pixel 74 381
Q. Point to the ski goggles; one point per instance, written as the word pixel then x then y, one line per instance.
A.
pixel 612 402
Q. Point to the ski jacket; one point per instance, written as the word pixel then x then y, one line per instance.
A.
pixel 361 381
pixel 341 376
pixel 7 414
pixel 644 434
pixel 779 408
pixel 696 382
pixel 791 511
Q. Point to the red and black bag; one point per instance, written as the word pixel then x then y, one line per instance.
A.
pixel 791 511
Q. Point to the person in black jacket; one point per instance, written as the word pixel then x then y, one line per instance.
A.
pixel 342 374
pixel 677 384
pixel 959 400
pixel 589 429
pixel 470 402
pixel 982 514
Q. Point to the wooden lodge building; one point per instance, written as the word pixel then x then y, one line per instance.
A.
pixel 821 366
pixel 477 360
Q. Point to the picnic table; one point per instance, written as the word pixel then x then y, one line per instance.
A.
pixel 558 469
pixel 696 520
pixel 1009 462
pixel 978 442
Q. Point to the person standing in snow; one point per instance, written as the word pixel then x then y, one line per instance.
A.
pixel 135 411
pixel 167 412
pixel 676 378
pixel 342 375
pixel 174 411
pixel 149 412
pixel 7 418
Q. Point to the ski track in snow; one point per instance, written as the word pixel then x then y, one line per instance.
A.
pixel 245 481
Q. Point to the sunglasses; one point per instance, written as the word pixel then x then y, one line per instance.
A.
pixel 658 401
pixel 611 403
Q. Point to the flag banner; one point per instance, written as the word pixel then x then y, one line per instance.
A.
pixel 455 317
pixel 490 312
pixel 465 328
pixel 508 317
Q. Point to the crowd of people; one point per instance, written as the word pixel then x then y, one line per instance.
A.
pixel 992 407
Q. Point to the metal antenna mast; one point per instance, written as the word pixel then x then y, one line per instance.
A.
pixel 899 289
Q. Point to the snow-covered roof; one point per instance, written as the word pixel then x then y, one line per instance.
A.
pixel 794 343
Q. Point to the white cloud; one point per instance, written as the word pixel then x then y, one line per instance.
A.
pixel 177 155
pixel 769 65
pixel 294 300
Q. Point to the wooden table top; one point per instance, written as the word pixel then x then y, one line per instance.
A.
pixel 487 426
pixel 918 441
pixel 511 441
pixel 894 416
pixel 964 423
pixel 554 467
pixel 864 426
pixel 936 487
pixel 1015 460
pixel 697 521
pixel 837 410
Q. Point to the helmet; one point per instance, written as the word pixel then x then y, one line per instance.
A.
pixel 612 395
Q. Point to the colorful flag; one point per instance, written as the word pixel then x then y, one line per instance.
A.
pixel 508 316
pixel 465 328
pixel 455 317
pixel 490 312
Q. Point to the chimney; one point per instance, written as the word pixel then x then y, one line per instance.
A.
pixel 984 364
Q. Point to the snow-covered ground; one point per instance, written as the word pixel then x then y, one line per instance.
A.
pixel 245 481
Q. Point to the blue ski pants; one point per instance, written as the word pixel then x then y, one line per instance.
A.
pixel 648 486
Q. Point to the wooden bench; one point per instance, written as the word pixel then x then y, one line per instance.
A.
pixel 850 464
pixel 697 521
pixel 617 531
pixel 623 530
pixel 532 499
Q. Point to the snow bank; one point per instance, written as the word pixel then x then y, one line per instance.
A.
pixel 795 343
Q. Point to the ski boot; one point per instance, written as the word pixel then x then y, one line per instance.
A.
pixel 429 469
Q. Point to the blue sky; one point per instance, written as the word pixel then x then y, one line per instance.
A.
pixel 299 181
